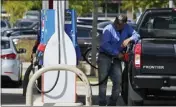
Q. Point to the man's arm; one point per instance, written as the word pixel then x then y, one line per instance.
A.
pixel 135 36
pixel 106 45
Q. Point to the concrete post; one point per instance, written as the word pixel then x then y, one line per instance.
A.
pixel 66 4
pixel 45 4
pixel 171 4
pixel 94 35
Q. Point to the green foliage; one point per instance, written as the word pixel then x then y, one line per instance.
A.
pixel 36 5
pixel 16 9
pixel 82 6
pixel 174 2
pixel 127 5
pixel 144 4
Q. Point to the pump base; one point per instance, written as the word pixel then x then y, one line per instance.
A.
pixel 68 104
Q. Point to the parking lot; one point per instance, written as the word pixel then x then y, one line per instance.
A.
pixel 130 44
pixel 14 96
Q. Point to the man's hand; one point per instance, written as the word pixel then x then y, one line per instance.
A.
pixel 126 42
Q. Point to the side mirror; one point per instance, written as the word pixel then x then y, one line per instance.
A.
pixel 21 50
pixel 15 41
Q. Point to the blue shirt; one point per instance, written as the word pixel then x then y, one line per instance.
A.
pixel 112 40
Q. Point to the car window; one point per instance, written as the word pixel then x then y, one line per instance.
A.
pixel 5 44
pixel 32 16
pixel 103 24
pixel 17 33
pixel 25 24
pixel 83 32
pixel 159 25
pixel 36 26
pixel 3 24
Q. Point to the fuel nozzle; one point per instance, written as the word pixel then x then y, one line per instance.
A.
pixel 126 53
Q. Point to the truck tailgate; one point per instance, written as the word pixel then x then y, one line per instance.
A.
pixel 158 57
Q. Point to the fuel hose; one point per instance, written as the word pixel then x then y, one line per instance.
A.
pixel 125 59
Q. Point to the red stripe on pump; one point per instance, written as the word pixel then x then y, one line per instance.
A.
pixel 41 47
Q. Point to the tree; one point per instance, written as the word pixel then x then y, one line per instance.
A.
pixel 36 5
pixel 134 5
pixel 155 3
pixel 128 5
pixel 82 7
pixel 174 2
pixel 144 4
pixel 16 9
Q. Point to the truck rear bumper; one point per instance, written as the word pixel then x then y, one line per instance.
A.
pixel 156 82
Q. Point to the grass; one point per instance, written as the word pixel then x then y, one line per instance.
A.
pixel 28 45
pixel 89 78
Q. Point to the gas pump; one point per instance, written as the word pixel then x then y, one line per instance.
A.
pixel 56 48
pixel 46 32
pixel 71 29
pixel 58 45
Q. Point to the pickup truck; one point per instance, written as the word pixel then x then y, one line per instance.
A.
pixel 150 73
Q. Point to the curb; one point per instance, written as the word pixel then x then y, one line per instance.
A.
pixel 92 82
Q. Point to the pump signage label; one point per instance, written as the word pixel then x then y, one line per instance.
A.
pixel 68 17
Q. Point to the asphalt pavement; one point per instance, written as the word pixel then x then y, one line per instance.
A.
pixel 14 97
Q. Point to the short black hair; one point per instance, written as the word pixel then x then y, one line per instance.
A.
pixel 120 19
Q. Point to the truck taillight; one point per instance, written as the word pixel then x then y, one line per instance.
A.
pixel 137 56
pixel 8 56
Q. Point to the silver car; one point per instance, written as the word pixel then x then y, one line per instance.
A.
pixel 11 66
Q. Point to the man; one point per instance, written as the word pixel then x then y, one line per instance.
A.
pixel 114 40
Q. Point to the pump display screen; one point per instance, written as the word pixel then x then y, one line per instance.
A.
pixel 68 18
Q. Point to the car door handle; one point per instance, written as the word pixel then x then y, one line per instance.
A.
pixel 87 43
